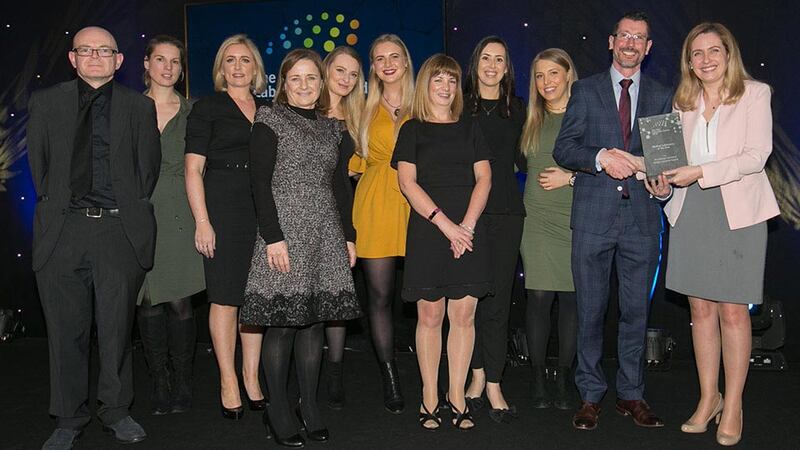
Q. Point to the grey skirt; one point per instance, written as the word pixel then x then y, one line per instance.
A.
pixel 708 260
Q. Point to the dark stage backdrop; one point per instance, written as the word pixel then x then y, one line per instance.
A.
pixel 35 38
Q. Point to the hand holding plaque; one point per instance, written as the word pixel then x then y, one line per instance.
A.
pixel 662 143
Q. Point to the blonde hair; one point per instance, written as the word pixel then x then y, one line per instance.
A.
pixel 353 103
pixel 259 82
pixel 690 86
pixel 433 66
pixel 375 92
pixel 529 141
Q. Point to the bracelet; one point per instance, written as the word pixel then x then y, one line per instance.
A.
pixel 204 219
pixel 433 214
pixel 471 231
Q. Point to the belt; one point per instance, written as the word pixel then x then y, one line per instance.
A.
pixel 95 212
pixel 241 165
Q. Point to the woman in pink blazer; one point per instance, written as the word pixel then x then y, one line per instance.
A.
pixel 718 213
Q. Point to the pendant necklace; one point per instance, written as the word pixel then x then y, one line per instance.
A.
pixel 395 108
pixel 490 110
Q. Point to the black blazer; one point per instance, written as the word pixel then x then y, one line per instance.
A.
pixel 135 152
pixel 591 123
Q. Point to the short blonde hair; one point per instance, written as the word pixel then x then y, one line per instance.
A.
pixel 433 66
pixel 690 86
pixel 259 82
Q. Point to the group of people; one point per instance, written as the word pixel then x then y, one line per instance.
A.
pixel 253 202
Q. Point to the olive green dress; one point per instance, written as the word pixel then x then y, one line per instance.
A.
pixel 178 268
pixel 546 236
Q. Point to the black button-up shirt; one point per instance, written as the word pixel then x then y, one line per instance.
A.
pixel 101 195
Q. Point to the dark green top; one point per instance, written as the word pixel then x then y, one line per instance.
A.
pixel 178 268
pixel 546 236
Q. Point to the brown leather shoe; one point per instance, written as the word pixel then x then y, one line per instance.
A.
pixel 587 416
pixel 641 413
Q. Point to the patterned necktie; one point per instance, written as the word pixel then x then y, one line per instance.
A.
pixel 625 123
pixel 80 179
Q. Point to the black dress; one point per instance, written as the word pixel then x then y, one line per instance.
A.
pixel 217 129
pixel 444 154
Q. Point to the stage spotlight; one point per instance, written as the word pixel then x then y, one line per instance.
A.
pixel 769 335
pixel 658 350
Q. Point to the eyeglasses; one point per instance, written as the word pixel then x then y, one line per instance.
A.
pixel 624 35
pixel 103 52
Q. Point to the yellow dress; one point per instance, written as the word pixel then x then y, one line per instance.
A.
pixel 380 211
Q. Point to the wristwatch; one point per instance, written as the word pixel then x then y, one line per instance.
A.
pixel 572 179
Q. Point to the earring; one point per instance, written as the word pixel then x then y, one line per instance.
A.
pixel 691 67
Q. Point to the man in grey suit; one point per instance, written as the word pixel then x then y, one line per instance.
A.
pixel 614 219
pixel 94 153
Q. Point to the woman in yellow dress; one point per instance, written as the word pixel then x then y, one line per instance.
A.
pixel 380 212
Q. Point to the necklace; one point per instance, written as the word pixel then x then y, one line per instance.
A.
pixel 556 110
pixel 490 110
pixel 396 108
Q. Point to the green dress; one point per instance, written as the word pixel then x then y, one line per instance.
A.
pixel 178 267
pixel 546 236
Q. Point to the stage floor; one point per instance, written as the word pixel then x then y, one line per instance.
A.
pixel 771 417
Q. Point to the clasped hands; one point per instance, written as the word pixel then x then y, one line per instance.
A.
pixel 460 237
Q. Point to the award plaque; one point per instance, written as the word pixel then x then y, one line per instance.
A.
pixel 662 143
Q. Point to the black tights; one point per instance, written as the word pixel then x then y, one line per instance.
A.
pixel 380 276
pixel 180 309
pixel 335 334
pixel 276 357
pixel 537 322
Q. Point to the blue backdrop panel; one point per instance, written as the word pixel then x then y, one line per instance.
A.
pixel 280 26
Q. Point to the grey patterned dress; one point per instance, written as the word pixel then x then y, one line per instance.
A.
pixel 299 177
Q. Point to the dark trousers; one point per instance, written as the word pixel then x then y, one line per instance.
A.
pixel 491 318
pixel 636 258
pixel 93 272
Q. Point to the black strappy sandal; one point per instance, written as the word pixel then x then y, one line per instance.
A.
pixel 458 417
pixel 426 416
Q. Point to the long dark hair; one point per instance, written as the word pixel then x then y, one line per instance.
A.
pixel 472 82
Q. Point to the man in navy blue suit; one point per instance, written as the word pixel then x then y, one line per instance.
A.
pixel 614 219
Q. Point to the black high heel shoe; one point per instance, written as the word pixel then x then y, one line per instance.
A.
pixel 295 440
pixel 458 417
pixel 320 435
pixel 430 418
pixel 232 413
pixel 257 405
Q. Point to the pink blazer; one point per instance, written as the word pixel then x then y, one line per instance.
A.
pixel 744 142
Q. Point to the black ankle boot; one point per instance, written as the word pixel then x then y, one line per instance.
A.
pixel 182 344
pixel 393 399
pixel 564 382
pixel 539 388
pixel 335 385
pixel 153 331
